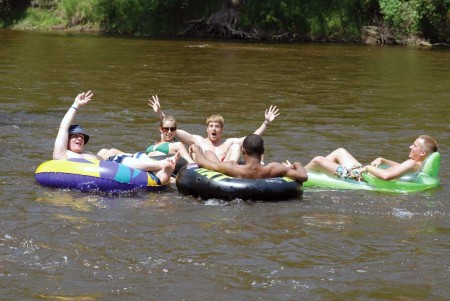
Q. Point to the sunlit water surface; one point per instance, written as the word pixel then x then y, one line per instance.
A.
pixel 327 245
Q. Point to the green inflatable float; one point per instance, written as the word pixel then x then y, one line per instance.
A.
pixel 426 178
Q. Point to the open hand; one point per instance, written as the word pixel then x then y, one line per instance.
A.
pixel 271 113
pixel 83 98
pixel 154 104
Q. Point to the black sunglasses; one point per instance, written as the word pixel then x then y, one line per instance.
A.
pixel 172 129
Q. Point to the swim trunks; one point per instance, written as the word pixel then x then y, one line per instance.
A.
pixel 351 172
pixel 158 147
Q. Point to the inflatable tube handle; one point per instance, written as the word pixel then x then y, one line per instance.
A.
pixel 432 164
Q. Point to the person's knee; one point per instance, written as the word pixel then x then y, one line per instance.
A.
pixel 234 152
pixel 210 155
pixel 342 150
pixel 103 153
pixel 235 147
pixel 318 160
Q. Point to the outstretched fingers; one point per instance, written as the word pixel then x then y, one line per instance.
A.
pixel 154 103
pixel 271 113
pixel 84 97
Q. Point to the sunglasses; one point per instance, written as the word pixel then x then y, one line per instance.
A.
pixel 172 129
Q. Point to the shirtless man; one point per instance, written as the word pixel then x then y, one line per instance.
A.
pixel 252 150
pixel 71 140
pixel 220 150
pixel 341 163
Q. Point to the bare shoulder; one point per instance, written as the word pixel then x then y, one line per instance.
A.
pixel 411 163
pixel 275 169
pixel 414 165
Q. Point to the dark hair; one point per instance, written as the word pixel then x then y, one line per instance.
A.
pixel 253 145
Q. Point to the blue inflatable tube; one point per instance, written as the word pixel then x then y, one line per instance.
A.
pixel 89 175
pixel 208 184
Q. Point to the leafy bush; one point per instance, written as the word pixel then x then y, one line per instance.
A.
pixel 80 11
pixel 305 18
pixel 416 16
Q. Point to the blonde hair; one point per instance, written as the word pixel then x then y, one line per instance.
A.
pixel 167 118
pixel 215 118
pixel 429 144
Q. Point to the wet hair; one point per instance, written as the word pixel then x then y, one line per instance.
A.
pixel 215 118
pixel 429 144
pixel 253 145
pixel 167 118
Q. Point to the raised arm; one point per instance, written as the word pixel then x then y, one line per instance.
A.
pixel 60 148
pixel 270 114
pixel 156 106
pixel 188 138
pixel 183 136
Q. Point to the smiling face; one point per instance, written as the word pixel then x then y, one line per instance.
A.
pixel 76 143
pixel 168 130
pixel 417 151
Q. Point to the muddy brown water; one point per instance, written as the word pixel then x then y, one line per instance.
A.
pixel 327 245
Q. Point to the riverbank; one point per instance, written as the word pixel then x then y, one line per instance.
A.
pixel 332 30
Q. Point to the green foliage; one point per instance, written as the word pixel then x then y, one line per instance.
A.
pixel 402 15
pixel 434 21
pixel 80 11
pixel 414 16
pixel 151 17
pixel 318 18
pixel 39 18
pixel 315 19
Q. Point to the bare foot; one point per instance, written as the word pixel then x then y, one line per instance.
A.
pixel 168 168
pixel 166 172
pixel 174 158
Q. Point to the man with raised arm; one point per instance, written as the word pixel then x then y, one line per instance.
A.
pixel 219 149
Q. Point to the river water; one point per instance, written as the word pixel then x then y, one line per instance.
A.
pixel 327 245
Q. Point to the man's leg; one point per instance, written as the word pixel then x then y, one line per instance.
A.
pixel 342 157
pixel 234 153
